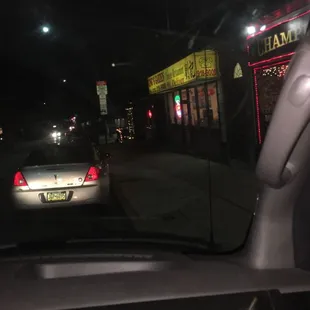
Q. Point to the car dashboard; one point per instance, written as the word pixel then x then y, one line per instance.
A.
pixel 128 280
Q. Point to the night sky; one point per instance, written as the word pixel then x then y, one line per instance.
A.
pixel 86 37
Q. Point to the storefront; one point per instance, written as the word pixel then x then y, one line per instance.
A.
pixel 270 52
pixel 192 92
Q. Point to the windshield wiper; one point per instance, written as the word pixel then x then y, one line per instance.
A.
pixel 145 241
pixel 187 245
pixel 8 246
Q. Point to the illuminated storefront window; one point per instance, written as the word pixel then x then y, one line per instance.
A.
pixel 177 106
pixel 213 105
pixel 208 110
pixel 171 108
pixel 268 81
pixel 193 105
pixel 184 106
pixel 203 109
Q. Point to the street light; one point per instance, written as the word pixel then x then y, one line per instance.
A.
pixel 122 64
pixel 64 81
pixel 250 30
pixel 45 29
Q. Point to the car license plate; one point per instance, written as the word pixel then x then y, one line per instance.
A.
pixel 56 196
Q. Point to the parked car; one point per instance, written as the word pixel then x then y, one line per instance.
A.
pixel 64 175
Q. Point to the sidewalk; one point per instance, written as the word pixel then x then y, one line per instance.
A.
pixel 172 191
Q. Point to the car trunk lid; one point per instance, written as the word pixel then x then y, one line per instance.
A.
pixel 55 176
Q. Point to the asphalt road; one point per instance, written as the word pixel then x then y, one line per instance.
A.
pixel 91 222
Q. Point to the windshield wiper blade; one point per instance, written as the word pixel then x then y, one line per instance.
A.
pixel 145 241
pixel 8 246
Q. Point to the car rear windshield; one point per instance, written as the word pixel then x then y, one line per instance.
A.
pixel 57 155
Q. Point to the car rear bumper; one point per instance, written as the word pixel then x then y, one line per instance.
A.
pixel 77 196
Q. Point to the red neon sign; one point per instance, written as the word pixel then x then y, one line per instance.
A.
pixel 271 59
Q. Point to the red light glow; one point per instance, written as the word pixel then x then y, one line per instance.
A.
pixel 149 113
pixel 178 110
pixel 278 24
pixel 271 59
pixel 275 64
pixel 19 179
pixel 259 134
pixel 211 92
pixel 92 174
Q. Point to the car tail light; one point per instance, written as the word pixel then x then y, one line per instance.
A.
pixel 92 174
pixel 19 179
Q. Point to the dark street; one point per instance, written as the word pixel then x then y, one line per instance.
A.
pixel 152 190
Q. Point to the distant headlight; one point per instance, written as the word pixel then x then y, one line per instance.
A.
pixel 58 134
pixel 54 134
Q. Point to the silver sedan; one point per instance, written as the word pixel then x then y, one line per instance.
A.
pixel 62 176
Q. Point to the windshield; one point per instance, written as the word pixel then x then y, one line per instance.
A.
pixel 139 120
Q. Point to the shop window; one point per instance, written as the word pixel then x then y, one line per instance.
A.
pixel 203 108
pixel 178 107
pixel 193 105
pixel 213 105
pixel 171 108
pixel 268 84
pixel 184 106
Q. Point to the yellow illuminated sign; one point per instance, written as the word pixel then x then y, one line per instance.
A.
pixel 238 71
pixel 205 64
pixel 201 65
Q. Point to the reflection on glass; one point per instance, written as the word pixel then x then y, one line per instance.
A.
pixel 203 112
pixel 192 102
pixel 184 106
pixel 171 108
pixel 269 84
pixel 213 104
pixel 178 108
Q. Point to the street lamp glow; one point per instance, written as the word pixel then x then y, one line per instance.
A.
pixel 250 30
pixel 113 65
pixel 45 29
pixel 64 80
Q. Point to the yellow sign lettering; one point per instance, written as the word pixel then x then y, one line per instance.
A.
pixel 267 43
pixel 286 38
pixel 201 65
pixel 278 40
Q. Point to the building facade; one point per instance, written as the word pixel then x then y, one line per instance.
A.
pixel 217 102
pixel 270 51
pixel 201 96
pixel 191 92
